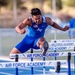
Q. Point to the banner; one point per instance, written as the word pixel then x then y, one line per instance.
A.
pixel 31 64
pixel 36 55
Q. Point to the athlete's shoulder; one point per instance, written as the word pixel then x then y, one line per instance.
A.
pixel 28 21
pixel 49 20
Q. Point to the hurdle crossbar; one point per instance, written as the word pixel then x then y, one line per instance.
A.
pixel 61 48
pixel 63 40
pixel 36 55
pixel 61 45
pixel 31 64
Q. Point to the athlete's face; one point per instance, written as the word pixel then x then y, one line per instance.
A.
pixel 37 19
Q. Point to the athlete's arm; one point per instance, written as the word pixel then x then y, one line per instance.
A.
pixel 20 28
pixel 55 25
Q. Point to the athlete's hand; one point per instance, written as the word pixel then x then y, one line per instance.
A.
pixel 22 31
pixel 65 28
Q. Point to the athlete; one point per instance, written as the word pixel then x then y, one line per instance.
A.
pixel 34 38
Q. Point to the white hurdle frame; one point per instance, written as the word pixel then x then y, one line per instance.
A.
pixel 67 44
pixel 59 54
pixel 54 45
pixel 36 55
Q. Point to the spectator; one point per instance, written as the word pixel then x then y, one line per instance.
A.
pixel 71 32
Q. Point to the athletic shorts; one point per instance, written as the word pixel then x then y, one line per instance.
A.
pixel 27 43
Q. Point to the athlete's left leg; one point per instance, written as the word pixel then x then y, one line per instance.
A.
pixel 42 44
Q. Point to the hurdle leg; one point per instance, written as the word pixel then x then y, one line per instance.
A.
pixel 16 60
pixel 69 63
pixel 55 58
pixel 32 60
pixel 58 67
pixel 55 51
pixel 44 58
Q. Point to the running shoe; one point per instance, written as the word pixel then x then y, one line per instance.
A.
pixel 45 48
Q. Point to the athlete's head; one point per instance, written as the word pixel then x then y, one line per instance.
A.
pixel 36 15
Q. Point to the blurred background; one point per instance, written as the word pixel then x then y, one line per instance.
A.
pixel 12 12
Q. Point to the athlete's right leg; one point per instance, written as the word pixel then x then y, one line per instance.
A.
pixel 22 46
pixel 14 51
pixel 42 44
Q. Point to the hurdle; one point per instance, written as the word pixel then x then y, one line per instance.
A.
pixel 65 44
pixel 32 60
pixel 31 64
pixel 50 63
pixel 53 46
pixel 36 55
pixel 16 60
pixel 28 64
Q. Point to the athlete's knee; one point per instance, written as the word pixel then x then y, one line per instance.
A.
pixel 42 39
pixel 41 42
pixel 14 51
